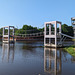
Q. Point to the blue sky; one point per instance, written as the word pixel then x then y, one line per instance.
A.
pixel 35 12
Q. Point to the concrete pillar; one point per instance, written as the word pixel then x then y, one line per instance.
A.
pixel 3 33
pixel 55 34
pixel 49 33
pixel 60 31
pixel 13 33
pixel 60 28
pixel 45 29
pixel 8 34
pixel 44 34
pixel 49 29
pixel 3 30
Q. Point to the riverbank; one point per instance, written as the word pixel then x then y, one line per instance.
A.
pixel 70 50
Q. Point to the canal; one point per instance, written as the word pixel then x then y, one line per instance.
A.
pixel 31 58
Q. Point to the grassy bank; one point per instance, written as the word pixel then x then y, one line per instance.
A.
pixel 73 39
pixel 70 50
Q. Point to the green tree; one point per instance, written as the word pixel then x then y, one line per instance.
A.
pixel 67 30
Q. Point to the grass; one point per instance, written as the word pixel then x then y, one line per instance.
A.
pixel 70 50
pixel 73 39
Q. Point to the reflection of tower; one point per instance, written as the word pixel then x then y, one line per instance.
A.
pixel 52 61
pixel 8 52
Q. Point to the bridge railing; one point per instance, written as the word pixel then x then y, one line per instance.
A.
pixel 35 34
pixel 30 35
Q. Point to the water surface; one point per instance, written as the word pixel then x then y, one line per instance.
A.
pixel 30 58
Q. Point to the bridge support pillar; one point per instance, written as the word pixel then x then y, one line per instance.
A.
pixel 51 33
pixel 73 24
pixel 8 34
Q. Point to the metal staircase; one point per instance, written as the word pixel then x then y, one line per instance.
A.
pixel 67 36
pixel 63 38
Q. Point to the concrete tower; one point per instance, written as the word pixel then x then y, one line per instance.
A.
pixel 73 24
pixel 51 33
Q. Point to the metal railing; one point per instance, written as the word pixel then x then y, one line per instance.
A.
pixel 30 35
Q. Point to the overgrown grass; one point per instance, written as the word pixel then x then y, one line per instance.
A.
pixel 70 50
pixel 73 39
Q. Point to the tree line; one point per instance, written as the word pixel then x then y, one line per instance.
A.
pixel 28 29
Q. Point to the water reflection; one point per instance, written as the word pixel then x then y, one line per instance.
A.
pixel 32 59
pixel 52 61
pixel 7 52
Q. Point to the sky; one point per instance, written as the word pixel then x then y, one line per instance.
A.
pixel 35 12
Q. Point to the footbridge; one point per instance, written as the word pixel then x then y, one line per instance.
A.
pixel 52 36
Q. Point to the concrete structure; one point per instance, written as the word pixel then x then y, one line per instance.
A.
pixel 6 37
pixel 51 33
pixel 73 24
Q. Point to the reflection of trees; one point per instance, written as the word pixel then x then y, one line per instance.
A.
pixel 7 51
pixel 27 47
pixel 29 50
pixel 64 57
pixel 52 61
pixel 73 59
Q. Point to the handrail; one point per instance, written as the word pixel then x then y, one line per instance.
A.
pixel 67 35
pixel 33 34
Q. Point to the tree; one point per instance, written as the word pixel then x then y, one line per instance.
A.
pixel 67 30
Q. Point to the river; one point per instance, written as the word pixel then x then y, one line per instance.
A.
pixel 31 58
